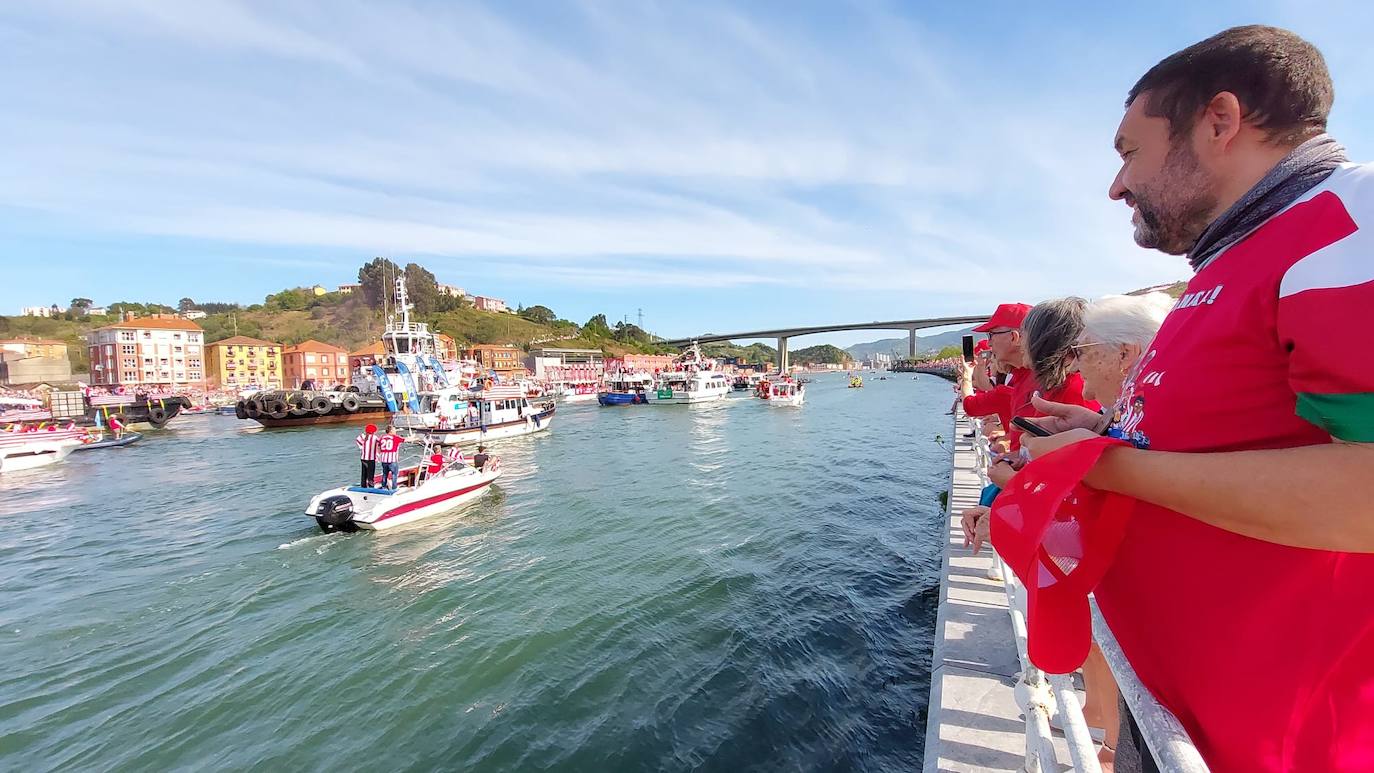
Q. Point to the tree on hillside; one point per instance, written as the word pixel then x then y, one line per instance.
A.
pixel 950 351
pixel 596 326
pixel 423 288
pixel 541 315
pixel 185 304
pixel 376 279
pixel 220 308
pixel 630 333
pixel 80 307
pixel 295 299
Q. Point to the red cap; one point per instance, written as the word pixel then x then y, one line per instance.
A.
pixel 981 346
pixel 370 429
pixel 1007 315
pixel 1059 536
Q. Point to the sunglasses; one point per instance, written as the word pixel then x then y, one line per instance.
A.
pixel 1078 348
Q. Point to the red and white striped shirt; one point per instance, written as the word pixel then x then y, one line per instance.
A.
pixel 389 448
pixel 367 445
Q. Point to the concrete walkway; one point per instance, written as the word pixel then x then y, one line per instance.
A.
pixel 973 723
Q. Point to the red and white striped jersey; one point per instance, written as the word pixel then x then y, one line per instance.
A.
pixel 367 446
pixel 389 448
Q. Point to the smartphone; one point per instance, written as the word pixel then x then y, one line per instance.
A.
pixel 1026 425
pixel 968 348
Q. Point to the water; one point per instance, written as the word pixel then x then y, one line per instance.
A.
pixel 726 587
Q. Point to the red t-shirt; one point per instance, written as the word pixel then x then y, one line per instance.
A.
pixel 1264 652
pixel 1015 400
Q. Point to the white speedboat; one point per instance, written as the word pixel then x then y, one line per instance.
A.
pixel 455 415
pixel 580 392
pixel 26 450
pixel 691 378
pixel 424 490
pixel 782 392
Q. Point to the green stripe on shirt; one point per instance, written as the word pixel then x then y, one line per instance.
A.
pixel 1348 417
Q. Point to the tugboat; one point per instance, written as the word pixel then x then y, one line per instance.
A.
pixel 692 378
pixel 626 389
pixel 424 489
pixel 136 411
pixel 409 365
pixel 458 415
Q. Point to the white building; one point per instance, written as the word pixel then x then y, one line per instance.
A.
pixel 37 311
pixel 453 291
pixel 162 349
pixel 348 289
pixel 193 314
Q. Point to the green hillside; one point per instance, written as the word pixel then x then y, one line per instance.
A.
pixel 824 354
pixel 753 353
pixel 351 321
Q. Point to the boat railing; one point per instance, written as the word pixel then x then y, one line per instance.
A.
pixel 1042 696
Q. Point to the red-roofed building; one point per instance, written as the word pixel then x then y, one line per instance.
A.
pixel 320 363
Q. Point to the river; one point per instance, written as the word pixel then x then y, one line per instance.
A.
pixel 719 587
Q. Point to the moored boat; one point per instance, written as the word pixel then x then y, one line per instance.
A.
pixel 626 389
pixel 128 438
pixel 424 490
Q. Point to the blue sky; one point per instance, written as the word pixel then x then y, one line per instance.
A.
pixel 718 165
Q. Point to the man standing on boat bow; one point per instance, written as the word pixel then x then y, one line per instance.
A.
pixel 367 447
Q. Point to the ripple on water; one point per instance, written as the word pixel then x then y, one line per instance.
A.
pixel 719 587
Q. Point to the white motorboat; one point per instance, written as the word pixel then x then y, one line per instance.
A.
pixel 26 450
pixel 580 392
pixel 455 415
pixel 782 392
pixel 424 490
pixel 692 378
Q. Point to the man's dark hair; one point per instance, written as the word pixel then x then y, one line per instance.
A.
pixel 1279 79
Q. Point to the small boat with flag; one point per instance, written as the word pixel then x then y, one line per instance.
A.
pixel 433 486
pixel 459 415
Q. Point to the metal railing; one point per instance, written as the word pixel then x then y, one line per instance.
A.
pixel 1043 697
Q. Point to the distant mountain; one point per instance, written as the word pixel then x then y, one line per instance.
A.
pixel 930 343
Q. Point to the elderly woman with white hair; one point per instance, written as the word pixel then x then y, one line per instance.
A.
pixel 1116 330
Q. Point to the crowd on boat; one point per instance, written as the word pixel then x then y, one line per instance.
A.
pixel 1198 464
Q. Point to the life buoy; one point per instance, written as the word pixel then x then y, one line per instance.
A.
pixel 321 405
pixel 157 416
pixel 350 403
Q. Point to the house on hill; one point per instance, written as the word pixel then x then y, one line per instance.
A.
pixel 319 363
pixel 241 362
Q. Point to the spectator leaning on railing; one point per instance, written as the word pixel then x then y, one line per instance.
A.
pixel 1241 592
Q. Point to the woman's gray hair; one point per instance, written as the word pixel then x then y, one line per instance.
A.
pixel 1118 320
pixel 1051 329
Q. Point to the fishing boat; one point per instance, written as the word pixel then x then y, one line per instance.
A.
pixel 458 415
pixel 424 489
pixel 782 391
pixel 626 389
pixel 692 378
pixel 26 450
pixel 128 438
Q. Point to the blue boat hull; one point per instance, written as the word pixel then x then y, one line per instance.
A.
pixel 619 398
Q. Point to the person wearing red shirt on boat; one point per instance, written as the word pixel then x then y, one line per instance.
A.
pixel 389 455
pixel 367 452
pixel 1240 591
pixel 116 426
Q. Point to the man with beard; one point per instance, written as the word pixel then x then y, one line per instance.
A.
pixel 1241 590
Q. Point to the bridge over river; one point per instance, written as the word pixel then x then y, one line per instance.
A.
pixel 783 334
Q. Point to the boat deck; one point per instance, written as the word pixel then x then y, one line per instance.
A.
pixel 973 723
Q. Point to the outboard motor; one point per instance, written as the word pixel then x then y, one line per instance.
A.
pixel 335 514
